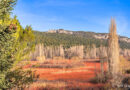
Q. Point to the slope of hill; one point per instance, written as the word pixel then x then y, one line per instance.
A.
pixel 72 38
pixel 89 34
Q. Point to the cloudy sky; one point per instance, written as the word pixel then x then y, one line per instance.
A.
pixel 76 15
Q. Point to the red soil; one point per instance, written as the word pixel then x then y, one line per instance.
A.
pixel 79 76
pixel 83 73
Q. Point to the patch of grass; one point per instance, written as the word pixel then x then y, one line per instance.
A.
pixel 59 64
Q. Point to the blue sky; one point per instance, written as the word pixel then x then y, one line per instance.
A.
pixel 76 15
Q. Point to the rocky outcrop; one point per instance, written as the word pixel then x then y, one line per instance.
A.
pixel 60 31
pixel 105 36
pixel 126 39
pixel 101 36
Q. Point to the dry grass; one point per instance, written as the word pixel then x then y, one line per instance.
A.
pixel 99 78
pixel 41 59
pixel 47 85
pixel 59 64
pixel 63 85
pixel 75 58
pixel 124 64
pixel 58 58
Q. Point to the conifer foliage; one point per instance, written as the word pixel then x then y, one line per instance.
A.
pixel 13 44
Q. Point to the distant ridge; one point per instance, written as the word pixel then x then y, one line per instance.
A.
pixel 90 34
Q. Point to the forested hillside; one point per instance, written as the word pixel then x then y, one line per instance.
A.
pixel 77 38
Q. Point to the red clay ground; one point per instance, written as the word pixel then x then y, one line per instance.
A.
pixel 75 76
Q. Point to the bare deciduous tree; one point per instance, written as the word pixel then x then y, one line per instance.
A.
pixel 113 53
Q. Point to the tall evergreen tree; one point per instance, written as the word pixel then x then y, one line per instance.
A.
pixel 6 42
pixel 10 43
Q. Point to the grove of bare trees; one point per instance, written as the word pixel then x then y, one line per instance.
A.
pixel 82 52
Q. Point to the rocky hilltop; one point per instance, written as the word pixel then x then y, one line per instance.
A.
pixel 60 31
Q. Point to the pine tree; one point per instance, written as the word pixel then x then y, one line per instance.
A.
pixel 7 42
pixel 25 38
pixel 9 48
pixel 6 6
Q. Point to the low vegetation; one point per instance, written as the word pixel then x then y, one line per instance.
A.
pixel 59 64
